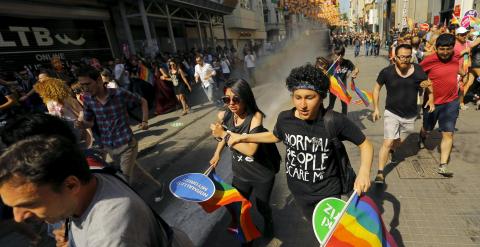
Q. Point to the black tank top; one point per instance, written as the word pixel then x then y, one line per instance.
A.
pixel 475 51
pixel 249 169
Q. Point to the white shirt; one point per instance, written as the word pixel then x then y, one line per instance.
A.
pixel 204 71
pixel 250 61
pixel 119 73
pixel 225 68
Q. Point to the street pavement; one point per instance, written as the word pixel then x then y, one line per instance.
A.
pixel 419 208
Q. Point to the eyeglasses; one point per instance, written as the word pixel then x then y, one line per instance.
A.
pixel 235 99
pixel 404 57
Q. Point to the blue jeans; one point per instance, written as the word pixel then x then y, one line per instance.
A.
pixel 367 48
pixel 357 50
pixel 209 91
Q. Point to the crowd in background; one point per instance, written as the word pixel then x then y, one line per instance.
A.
pixel 423 43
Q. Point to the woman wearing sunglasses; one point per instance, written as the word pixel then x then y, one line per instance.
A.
pixel 253 169
pixel 179 80
pixel 311 166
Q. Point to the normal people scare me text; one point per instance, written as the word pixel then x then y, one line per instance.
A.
pixel 306 157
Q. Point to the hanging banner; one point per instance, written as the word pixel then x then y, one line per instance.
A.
pixel 456 10
pixel 471 12
pixel 436 19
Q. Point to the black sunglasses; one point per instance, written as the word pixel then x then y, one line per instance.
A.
pixel 235 99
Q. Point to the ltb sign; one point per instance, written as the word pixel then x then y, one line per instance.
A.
pixel 36 36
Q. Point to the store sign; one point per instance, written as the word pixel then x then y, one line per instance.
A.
pixel 26 41
pixel 456 10
pixel 436 20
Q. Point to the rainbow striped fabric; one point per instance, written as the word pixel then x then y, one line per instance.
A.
pixel 145 74
pixel 474 21
pixel 365 96
pixel 361 226
pixel 337 87
pixel 225 195
pixel 454 20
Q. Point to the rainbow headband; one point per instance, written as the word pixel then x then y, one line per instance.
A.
pixel 306 85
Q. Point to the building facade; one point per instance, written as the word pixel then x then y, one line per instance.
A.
pixel 244 27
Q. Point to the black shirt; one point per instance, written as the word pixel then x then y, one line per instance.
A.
pixel 249 169
pixel 344 68
pixel 309 162
pixel 401 92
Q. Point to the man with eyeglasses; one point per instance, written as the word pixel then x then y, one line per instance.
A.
pixel 403 81
pixel 442 69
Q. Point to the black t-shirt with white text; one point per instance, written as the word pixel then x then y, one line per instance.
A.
pixel 310 162
pixel 401 92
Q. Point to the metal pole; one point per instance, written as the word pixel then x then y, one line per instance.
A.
pixel 170 29
pixel 224 32
pixel 211 31
pixel 143 15
pixel 126 27
pixel 199 29
pixel 107 31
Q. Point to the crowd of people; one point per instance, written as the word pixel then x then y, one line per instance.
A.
pixel 90 104
pixel 90 202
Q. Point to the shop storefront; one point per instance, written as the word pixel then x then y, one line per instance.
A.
pixel 33 38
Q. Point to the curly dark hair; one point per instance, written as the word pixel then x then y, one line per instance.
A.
pixel 308 74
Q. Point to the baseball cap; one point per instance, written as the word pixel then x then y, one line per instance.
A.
pixel 461 30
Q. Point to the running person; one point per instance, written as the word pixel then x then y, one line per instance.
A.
pixel 402 81
pixel 343 70
pixel 253 169
pixel 302 130
pixel 180 83
pixel 442 69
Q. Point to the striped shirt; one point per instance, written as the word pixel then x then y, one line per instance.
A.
pixel 112 117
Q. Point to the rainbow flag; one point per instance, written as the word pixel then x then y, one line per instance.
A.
pixel 365 96
pixel 454 20
pixel 361 225
pixel 226 195
pixel 337 87
pixel 474 20
pixel 145 74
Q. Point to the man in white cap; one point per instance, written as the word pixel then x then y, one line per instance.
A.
pixel 460 42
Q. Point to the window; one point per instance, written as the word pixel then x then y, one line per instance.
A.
pixel 245 4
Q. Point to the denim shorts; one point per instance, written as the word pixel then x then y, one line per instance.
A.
pixel 445 114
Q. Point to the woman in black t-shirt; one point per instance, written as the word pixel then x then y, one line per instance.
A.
pixel 311 167
pixel 252 169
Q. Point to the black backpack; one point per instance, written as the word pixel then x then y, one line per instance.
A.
pixel 347 174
